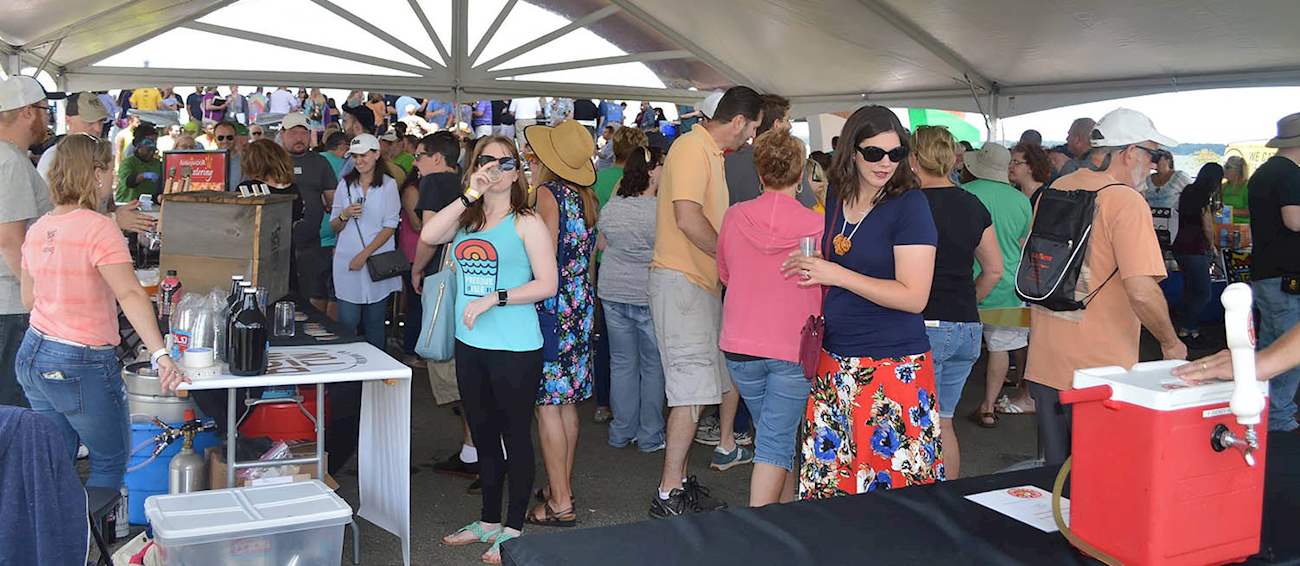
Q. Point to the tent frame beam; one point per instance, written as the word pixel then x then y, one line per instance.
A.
pixel 428 28
pixel 100 77
pixel 307 47
pixel 597 62
pixel 731 74
pixel 562 31
pixel 491 31
pixel 102 54
pixel 930 43
pixel 379 33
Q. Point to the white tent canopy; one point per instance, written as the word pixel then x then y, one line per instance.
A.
pixel 1000 57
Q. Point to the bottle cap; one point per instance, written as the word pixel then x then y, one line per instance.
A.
pixel 245 284
pixel 171 272
pixel 189 414
pixel 237 277
pixel 250 291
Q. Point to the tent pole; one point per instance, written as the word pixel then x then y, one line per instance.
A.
pixel 995 115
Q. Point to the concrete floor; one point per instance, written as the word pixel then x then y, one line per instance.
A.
pixel 615 485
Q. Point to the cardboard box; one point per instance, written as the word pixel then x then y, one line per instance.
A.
pixel 217 468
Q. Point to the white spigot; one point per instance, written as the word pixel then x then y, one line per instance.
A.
pixel 1239 324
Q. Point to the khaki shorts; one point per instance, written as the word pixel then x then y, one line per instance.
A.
pixel 1005 338
pixel 442 379
pixel 687 321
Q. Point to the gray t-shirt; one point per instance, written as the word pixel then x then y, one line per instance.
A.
pixel 314 176
pixel 743 183
pixel 25 198
pixel 628 225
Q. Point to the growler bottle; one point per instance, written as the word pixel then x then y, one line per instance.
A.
pixel 249 335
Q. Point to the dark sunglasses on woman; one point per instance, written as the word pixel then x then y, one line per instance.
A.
pixel 503 163
pixel 873 154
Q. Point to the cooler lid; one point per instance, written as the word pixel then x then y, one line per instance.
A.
pixel 1151 385
pixel 203 516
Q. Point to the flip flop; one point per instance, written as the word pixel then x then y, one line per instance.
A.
pixel 551 517
pixel 475 528
pixel 985 419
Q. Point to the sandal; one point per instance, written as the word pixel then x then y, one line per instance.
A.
pixel 985 419
pixel 542 496
pixel 1005 406
pixel 551 517
pixel 487 557
pixel 476 529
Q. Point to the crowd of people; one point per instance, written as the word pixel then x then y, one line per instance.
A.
pixel 663 274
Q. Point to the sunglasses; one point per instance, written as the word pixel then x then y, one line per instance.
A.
pixel 874 154
pixel 1156 154
pixel 225 138
pixel 506 164
pixel 255 134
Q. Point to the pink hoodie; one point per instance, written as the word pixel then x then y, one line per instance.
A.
pixel 764 312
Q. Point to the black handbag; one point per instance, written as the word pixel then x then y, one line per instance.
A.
pixel 386 265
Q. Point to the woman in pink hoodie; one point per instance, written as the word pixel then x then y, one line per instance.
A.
pixel 764 312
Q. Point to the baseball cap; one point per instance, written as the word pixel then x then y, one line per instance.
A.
pixel 710 104
pixel 389 136
pixel 293 120
pixel 363 143
pixel 1123 126
pixel 21 90
pixel 87 106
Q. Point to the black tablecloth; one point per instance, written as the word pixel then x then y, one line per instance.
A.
pixel 920 525
pixel 300 336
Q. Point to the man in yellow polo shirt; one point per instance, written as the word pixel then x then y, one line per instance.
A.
pixel 685 300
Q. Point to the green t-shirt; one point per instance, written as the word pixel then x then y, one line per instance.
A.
pixel 1011 214
pixel 406 161
pixel 606 180
pixel 1235 196
pixel 131 166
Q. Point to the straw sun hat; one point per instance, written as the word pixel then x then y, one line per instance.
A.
pixel 565 149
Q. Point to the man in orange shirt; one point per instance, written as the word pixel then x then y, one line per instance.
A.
pixel 685 300
pixel 1106 333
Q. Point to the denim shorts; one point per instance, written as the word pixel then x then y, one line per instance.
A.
pixel 776 393
pixel 954 347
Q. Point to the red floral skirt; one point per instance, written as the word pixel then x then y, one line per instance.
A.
pixel 871 424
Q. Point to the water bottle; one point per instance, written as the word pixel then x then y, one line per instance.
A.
pixel 169 296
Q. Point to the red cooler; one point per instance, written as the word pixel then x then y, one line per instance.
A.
pixel 1152 480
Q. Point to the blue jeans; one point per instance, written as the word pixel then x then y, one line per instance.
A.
pixel 1196 289
pixel 1278 312
pixel 12 329
pixel 81 390
pixel 636 385
pixel 954 347
pixel 370 317
pixel 776 393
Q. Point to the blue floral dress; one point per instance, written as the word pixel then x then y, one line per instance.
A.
pixel 568 380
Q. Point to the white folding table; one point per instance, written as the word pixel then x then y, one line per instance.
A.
pixel 384 445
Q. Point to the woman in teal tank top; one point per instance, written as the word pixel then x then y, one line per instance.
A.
pixel 505 263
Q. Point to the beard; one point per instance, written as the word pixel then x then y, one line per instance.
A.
pixel 39 132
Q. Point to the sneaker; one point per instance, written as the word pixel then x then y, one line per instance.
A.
pixel 82 452
pixel 603 415
pixel 615 444
pixel 699 497
pixel 708 434
pixel 677 504
pixel 723 461
pixel 745 438
pixel 652 449
pixel 475 487
pixel 456 467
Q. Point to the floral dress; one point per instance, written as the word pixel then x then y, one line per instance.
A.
pixel 568 380
pixel 871 425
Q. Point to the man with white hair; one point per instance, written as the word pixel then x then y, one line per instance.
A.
pixel 24 111
pixel 1122 272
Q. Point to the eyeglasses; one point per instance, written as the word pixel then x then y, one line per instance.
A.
pixel 255 134
pixel 874 154
pixel 225 138
pixel 1019 162
pixel 424 154
pixel 503 163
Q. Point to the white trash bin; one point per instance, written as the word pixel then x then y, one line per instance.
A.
pixel 276 525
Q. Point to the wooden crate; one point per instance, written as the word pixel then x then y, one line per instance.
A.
pixel 207 236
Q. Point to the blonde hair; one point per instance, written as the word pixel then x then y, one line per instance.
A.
pixel 778 158
pixel 265 161
pixel 935 150
pixel 625 140
pixel 72 175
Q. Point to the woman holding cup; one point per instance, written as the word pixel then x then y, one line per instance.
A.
pixel 764 311
pixel 76 270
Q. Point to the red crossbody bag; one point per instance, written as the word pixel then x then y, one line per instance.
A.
pixel 814 329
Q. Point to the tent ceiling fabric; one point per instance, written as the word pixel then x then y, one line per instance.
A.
pixel 1016 56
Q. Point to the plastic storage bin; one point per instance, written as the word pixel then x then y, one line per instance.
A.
pixel 297 523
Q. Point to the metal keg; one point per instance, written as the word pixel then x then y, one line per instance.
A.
pixel 146 398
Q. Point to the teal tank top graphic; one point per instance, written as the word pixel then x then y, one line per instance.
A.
pixel 486 262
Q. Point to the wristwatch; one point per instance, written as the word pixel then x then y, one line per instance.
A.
pixel 502 297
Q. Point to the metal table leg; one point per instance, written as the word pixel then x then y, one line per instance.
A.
pixel 231 424
pixel 320 431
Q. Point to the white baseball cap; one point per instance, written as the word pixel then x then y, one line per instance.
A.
pixel 1123 126
pixel 362 144
pixel 21 90
pixel 710 104
pixel 389 136
pixel 293 120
